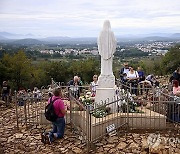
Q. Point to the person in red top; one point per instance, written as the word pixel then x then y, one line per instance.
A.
pixel 176 88
pixel 60 110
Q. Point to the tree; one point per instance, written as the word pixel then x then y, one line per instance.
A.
pixel 4 73
pixel 85 69
pixel 171 60
pixel 19 68
pixel 56 70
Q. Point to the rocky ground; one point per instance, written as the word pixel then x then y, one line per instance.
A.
pixel 22 140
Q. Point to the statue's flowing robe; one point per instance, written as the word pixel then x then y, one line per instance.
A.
pixel 106 47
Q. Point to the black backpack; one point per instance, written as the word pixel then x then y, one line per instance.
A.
pixel 50 112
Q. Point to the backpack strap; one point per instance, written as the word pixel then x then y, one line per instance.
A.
pixel 53 100
pixel 136 73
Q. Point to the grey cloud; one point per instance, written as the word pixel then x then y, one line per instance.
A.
pixel 73 17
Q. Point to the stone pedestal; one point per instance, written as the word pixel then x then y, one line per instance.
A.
pixel 106 81
pixel 106 91
pixel 105 96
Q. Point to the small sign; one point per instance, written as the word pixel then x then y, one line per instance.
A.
pixel 111 130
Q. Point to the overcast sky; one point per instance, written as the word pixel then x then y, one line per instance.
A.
pixel 84 18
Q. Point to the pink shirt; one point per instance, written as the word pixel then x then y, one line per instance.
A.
pixel 176 89
pixel 58 106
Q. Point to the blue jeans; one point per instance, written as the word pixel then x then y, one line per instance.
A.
pixel 58 127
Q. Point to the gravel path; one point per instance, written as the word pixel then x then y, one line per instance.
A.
pixel 14 141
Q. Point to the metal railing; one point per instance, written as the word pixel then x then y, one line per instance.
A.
pixel 30 108
pixel 156 110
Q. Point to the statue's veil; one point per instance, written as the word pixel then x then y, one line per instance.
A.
pixel 106 41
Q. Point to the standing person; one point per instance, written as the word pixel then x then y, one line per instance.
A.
pixel 36 94
pixel 60 110
pixel 141 74
pixel 75 86
pixel 141 78
pixel 176 75
pixel 133 77
pixel 80 81
pixel 93 85
pixel 6 93
pixel 123 73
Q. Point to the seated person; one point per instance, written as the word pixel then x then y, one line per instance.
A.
pixel 176 88
pixel 146 85
pixel 151 78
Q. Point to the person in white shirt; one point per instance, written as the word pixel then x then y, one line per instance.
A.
pixel 37 94
pixel 133 77
pixel 93 85
pixel 151 78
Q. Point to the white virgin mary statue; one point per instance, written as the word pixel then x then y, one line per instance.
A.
pixel 106 47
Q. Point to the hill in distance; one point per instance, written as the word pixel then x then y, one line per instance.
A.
pixel 28 41
pixel 3 38
pixel 8 35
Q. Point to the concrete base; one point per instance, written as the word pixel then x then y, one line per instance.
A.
pixel 135 121
pixel 147 120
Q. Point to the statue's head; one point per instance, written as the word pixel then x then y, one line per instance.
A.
pixel 107 25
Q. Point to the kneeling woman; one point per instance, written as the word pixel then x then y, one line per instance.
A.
pixel 59 125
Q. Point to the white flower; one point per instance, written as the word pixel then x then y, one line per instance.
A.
pixel 124 102
pixel 88 93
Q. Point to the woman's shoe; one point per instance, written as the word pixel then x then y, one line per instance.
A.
pixel 43 138
pixel 49 139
